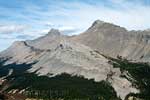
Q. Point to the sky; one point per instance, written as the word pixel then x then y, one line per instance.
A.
pixel 29 19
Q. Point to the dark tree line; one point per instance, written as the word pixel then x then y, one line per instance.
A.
pixel 64 86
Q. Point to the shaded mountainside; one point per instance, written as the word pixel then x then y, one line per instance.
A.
pixel 38 65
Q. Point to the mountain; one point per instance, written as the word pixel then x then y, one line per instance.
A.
pixel 114 40
pixel 99 53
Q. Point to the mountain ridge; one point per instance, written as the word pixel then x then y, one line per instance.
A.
pixel 84 54
pixel 113 40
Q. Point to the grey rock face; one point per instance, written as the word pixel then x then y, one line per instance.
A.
pixel 114 40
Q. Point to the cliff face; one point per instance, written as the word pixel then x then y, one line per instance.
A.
pixel 113 40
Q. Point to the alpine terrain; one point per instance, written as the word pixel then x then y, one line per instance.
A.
pixel 106 62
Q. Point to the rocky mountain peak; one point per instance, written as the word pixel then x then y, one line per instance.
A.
pixel 54 32
pixel 98 24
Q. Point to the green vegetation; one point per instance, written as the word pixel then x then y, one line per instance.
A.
pixel 64 86
pixel 139 73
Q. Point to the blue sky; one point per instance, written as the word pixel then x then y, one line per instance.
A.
pixel 29 19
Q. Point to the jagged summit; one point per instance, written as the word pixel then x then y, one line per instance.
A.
pixel 54 32
pixel 47 41
pixel 113 40
pixel 98 24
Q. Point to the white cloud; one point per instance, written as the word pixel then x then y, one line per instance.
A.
pixel 8 29
pixel 117 1
pixel 130 15
pixel 69 30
